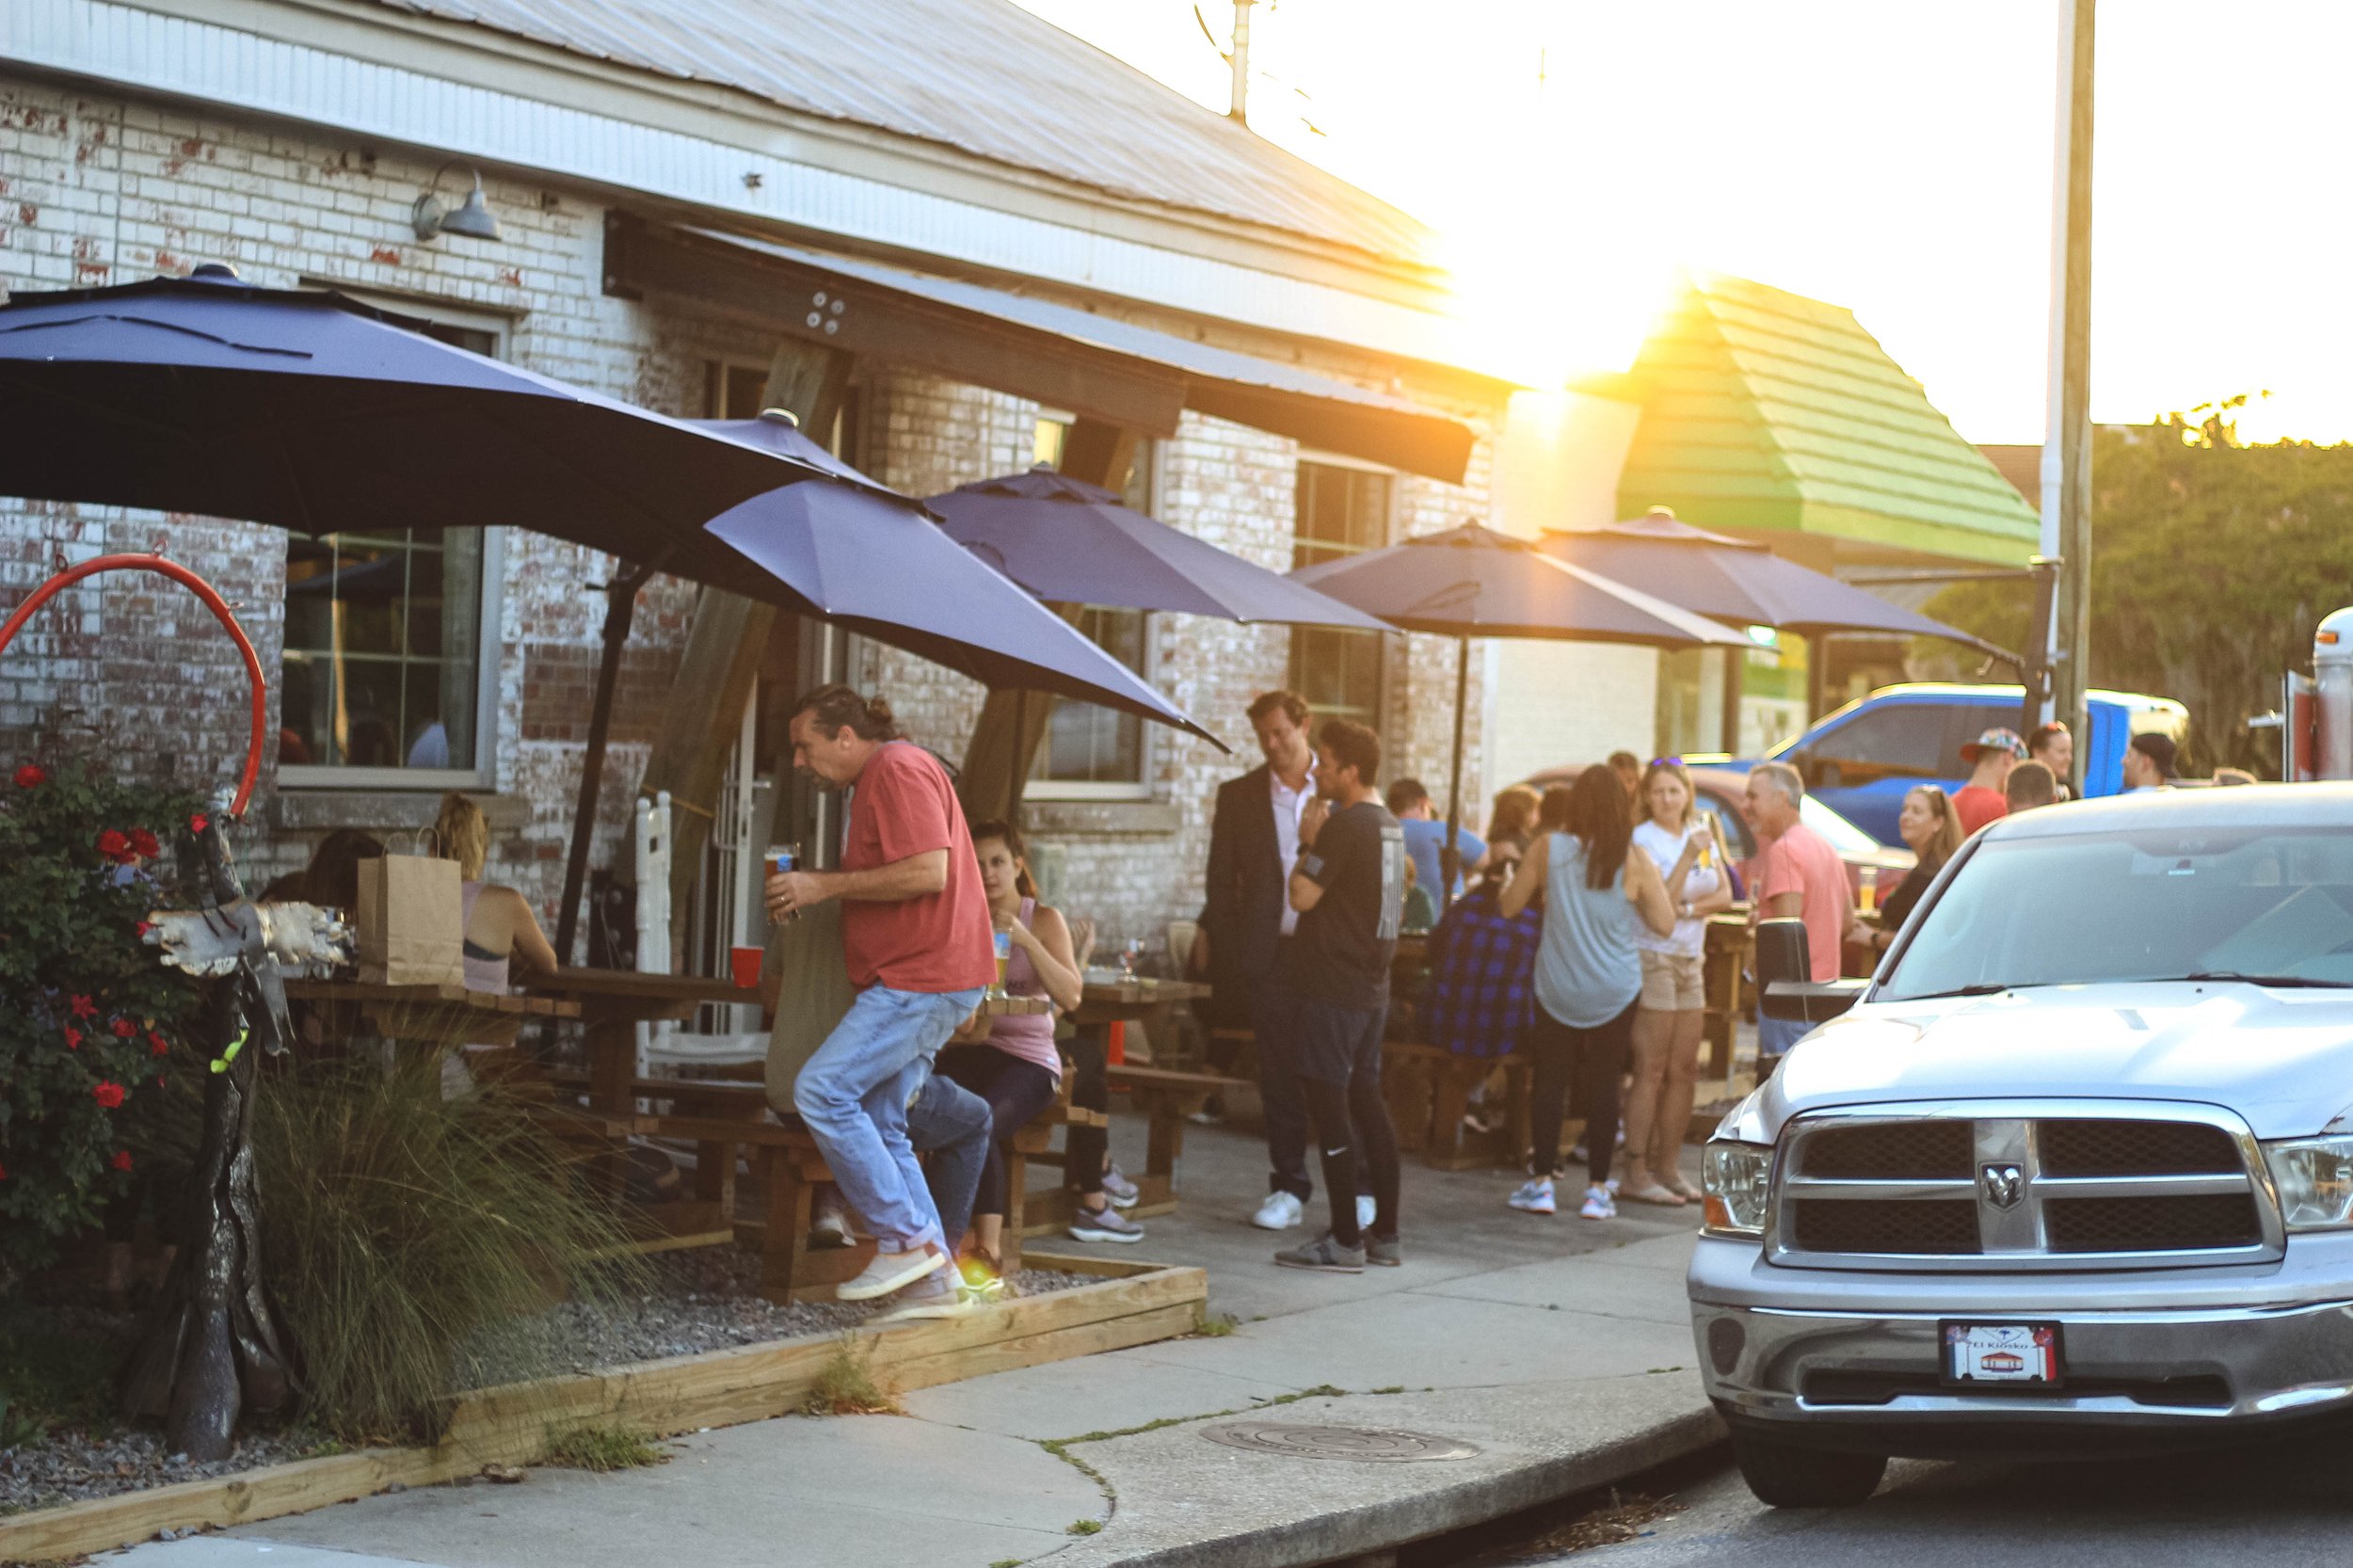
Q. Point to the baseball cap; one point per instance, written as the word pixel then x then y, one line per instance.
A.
pixel 2159 749
pixel 1996 739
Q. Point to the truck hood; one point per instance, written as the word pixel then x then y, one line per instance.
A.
pixel 2283 1059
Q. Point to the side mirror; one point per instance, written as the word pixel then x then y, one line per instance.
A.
pixel 1785 977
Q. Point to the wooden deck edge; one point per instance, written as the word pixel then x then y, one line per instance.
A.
pixel 1090 1263
pixel 509 1425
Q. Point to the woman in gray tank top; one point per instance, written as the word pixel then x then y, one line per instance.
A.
pixel 1589 973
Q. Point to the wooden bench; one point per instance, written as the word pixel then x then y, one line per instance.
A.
pixel 1166 1099
pixel 1427 1091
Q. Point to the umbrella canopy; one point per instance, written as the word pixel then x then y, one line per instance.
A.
pixel 776 431
pixel 1473 582
pixel 879 567
pixel 1734 580
pixel 1067 540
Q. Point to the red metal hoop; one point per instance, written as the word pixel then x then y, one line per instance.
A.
pixel 213 601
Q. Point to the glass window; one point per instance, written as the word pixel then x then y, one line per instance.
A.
pixel 383 664
pixel 1088 750
pixel 1341 511
pixel 2152 905
pixel 1906 738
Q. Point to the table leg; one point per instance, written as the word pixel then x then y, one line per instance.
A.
pixel 789 1199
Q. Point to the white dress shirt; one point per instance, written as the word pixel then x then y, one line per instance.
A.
pixel 1289 806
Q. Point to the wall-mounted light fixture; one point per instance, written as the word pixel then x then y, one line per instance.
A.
pixel 472 218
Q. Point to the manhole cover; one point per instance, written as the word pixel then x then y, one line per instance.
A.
pixel 1381 1444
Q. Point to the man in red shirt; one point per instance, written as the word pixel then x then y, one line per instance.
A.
pixel 1797 875
pixel 1986 796
pixel 917 939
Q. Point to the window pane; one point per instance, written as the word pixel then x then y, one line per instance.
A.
pixel 1906 740
pixel 1089 745
pixel 382 664
pixel 1341 511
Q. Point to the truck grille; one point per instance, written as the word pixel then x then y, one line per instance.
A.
pixel 2013 1185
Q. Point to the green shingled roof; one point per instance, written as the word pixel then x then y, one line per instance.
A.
pixel 1770 412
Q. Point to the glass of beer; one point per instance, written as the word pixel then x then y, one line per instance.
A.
pixel 1005 958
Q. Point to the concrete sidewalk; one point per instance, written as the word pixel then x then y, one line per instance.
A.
pixel 1558 1348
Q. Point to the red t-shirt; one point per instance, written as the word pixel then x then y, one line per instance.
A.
pixel 1975 805
pixel 1803 861
pixel 904 807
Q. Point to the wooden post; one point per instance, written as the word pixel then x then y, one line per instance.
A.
pixel 1450 862
pixel 2067 444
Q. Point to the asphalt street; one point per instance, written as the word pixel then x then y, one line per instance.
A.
pixel 2268 1506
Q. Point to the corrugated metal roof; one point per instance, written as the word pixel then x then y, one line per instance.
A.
pixel 983 76
pixel 1767 411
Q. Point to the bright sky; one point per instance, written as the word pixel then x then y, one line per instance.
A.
pixel 1894 156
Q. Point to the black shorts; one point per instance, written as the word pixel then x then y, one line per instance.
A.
pixel 1336 1043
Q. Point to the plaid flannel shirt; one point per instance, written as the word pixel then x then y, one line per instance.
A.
pixel 1482 994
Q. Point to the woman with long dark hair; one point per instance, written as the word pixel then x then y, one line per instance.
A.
pixel 1010 1062
pixel 1588 971
pixel 1931 828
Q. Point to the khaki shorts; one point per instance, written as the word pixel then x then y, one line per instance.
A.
pixel 1671 983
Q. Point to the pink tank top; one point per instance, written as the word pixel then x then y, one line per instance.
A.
pixel 1030 1038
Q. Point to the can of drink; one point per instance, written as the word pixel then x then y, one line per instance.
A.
pixel 780 859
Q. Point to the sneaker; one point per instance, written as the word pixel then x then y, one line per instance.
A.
pixel 1324 1255
pixel 1482 1120
pixel 1211 1113
pixel 1117 1187
pixel 890 1271
pixel 1366 1211
pixel 982 1282
pixel 1105 1224
pixel 1534 1197
pixel 1382 1250
pixel 1280 1211
pixel 1600 1203
pixel 830 1226
pixel 936 1295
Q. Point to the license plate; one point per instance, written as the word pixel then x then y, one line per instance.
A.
pixel 2002 1353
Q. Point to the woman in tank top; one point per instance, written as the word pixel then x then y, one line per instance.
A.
pixel 1010 1062
pixel 1589 973
pixel 1668 1026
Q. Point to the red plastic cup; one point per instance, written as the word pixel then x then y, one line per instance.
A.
pixel 744 963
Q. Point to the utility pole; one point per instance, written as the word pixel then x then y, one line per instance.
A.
pixel 2066 608
pixel 1237 104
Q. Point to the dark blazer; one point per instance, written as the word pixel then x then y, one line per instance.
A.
pixel 1244 910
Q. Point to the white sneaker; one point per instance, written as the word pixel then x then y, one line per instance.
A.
pixel 1534 1197
pixel 830 1225
pixel 1600 1203
pixel 1280 1211
pixel 889 1272
pixel 1366 1211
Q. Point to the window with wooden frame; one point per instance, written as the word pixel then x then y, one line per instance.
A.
pixel 1343 509
pixel 1089 752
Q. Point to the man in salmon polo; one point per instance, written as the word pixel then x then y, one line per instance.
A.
pixel 916 939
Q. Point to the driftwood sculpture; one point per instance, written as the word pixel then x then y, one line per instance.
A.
pixel 212 1348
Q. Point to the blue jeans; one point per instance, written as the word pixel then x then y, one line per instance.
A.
pixel 853 1096
pixel 1774 1036
pixel 950 1124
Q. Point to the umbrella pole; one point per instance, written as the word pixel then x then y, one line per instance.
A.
pixel 1451 863
pixel 621 608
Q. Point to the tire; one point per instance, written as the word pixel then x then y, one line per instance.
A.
pixel 1786 1475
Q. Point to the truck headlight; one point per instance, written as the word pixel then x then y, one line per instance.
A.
pixel 2315 1177
pixel 1733 1177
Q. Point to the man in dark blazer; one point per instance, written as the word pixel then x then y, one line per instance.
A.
pixel 1247 920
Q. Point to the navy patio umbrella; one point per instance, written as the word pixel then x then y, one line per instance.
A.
pixel 1735 579
pixel 1076 543
pixel 312 411
pixel 1473 582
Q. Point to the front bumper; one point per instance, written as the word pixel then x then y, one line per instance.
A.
pixel 1853 1360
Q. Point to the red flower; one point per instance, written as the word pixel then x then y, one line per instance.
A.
pixel 198 824
pixel 108 1093
pixel 124 1028
pixel 156 1043
pixel 144 843
pixel 146 926
pixel 83 1007
pixel 122 1160
pixel 115 847
pixel 31 777
pixel 73 1038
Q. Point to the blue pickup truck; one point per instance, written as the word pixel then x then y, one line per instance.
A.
pixel 1862 759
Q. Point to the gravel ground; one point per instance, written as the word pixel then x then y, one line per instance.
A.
pixel 703 1300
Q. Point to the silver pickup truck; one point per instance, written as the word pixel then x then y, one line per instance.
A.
pixel 2073 1173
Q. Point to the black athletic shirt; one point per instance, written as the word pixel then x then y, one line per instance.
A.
pixel 1341 951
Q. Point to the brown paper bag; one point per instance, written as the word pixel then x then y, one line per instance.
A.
pixel 410 921
pixel 813 992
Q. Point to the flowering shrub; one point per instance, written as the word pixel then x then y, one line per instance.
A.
pixel 89 1015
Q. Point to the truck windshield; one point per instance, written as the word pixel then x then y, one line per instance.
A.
pixel 2274 905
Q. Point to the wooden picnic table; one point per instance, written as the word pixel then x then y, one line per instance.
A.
pixel 1111 998
pixel 434 1016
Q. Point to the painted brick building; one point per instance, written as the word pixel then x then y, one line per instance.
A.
pixel 292 138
